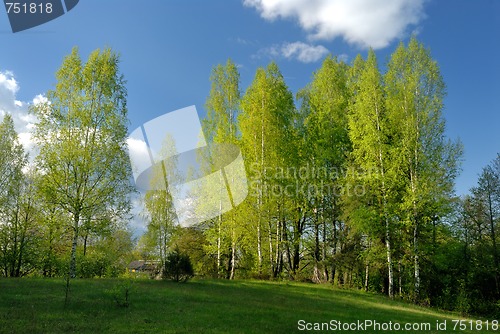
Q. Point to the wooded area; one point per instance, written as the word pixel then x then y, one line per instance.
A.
pixel 351 181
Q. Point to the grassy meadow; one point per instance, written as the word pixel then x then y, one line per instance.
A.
pixel 199 306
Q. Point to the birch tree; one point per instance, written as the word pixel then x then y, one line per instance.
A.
pixel 266 124
pixel 428 163
pixel 327 145
pixel 220 127
pixel 18 234
pixel 81 134
pixel 370 132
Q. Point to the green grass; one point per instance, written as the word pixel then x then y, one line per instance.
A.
pixel 199 306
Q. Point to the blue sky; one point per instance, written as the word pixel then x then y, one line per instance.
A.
pixel 168 49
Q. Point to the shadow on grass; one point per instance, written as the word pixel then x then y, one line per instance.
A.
pixel 199 306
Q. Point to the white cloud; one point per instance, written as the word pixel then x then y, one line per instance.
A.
pixel 343 57
pixel 242 41
pixel 8 90
pixel 139 155
pixel 269 52
pixel 40 99
pixel 26 140
pixel 365 23
pixel 23 121
pixel 306 53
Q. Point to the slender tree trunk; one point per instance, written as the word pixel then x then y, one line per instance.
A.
pixel 277 247
pixel 219 231
pixel 367 273
pixel 414 185
pixel 466 257
pixel 388 244
pixel 229 263
pixel 21 252
pixel 296 254
pixel 271 251
pixel 261 195
pixel 389 259
pixel 416 263
pixel 316 273
pixel 259 247
pixel 85 243
pixel 493 240
pixel 165 232
pixel 14 247
pixel 76 226
pixel 47 267
pixel 287 245
pixel 233 253
pixel 416 259
pixel 334 251
pixel 400 279
pixel 219 227
pixel 323 253
pixel 297 235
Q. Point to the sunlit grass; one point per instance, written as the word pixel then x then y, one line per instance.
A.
pixel 199 306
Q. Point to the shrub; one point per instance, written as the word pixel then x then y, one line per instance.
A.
pixel 121 292
pixel 177 267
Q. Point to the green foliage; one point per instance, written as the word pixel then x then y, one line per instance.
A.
pixel 81 134
pixel 476 228
pixel 267 139
pixel 221 127
pixel 93 264
pixel 159 209
pixel 121 292
pixel 354 186
pixel 193 242
pixel 222 104
pixel 463 302
pixel 178 267
pixel 19 236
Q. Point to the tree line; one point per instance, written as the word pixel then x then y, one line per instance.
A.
pixel 350 181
